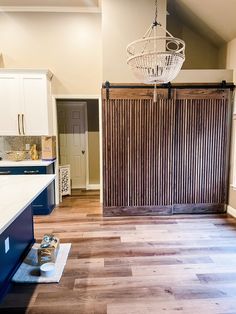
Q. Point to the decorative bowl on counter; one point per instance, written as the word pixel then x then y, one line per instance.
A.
pixel 16 155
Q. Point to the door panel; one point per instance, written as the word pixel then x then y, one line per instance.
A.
pixel 200 152
pixel 35 105
pixel 72 140
pixel 138 149
pixel 9 105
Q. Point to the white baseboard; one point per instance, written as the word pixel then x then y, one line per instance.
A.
pixel 93 187
pixel 231 211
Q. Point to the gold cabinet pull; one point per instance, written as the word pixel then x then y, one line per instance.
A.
pixel 19 124
pixel 23 123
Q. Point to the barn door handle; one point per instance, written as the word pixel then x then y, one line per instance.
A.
pixel 83 152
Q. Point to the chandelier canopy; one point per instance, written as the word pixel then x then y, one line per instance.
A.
pixel 156 59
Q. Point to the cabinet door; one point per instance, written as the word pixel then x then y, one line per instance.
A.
pixel 20 234
pixel 35 118
pixel 9 105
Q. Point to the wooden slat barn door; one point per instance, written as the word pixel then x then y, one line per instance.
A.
pixel 165 157
pixel 137 153
pixel 200 153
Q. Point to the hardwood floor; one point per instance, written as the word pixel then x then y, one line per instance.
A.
pixel 84 193
pixel 134 265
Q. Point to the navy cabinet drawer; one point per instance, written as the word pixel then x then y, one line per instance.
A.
pixel 27 170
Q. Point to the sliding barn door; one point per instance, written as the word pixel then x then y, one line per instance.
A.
pixel 165 157
pixel 201 151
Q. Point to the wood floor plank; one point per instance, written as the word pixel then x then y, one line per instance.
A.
pixel 219 306
pixel 70 309
pixel 97 272
pixel 134 265
pixel 156 260
pixel 180 269
pixel 226 277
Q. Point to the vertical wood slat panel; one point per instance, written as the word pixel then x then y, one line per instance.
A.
pixel 200 152
pixel 167 153
pixel 115 153
pixel 151 150
pixel 141 131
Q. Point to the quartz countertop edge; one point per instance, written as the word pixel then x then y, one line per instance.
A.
pixel 26 163
pixel 17 193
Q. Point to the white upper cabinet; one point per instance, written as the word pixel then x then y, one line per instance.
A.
pixel 25 102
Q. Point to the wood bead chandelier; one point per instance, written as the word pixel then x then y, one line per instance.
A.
pixel 156 59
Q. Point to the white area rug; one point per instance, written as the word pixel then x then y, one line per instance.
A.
pixel 29 272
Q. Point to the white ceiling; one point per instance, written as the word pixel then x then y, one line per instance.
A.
pixel 214 18
pixel 92 6
pixel 50 3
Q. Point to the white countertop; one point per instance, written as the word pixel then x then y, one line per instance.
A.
pixel 26 163
pixel 17 192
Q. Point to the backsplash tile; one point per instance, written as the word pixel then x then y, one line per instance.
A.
pixel 12 143
pixel 1 145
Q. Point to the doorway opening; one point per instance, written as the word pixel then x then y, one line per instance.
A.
pixel 78 143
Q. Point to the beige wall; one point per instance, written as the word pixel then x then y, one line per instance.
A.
pixel 93 141
pixel 93 146
pixel 204 76
pixel 231 64
pixel 232 191
pixel 199 52
pixel 222 56
pixel 69 44
pixel 124 21
pixel 231 56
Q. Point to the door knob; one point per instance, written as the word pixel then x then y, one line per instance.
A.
pixel 83 152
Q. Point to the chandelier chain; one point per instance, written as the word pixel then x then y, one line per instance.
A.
pixel 155 23
pixel 155 20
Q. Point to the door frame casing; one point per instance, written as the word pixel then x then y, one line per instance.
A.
pixel 78 97
pixel 84 103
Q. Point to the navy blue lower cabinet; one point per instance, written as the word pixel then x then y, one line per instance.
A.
pixel 15 243
pixel 45 202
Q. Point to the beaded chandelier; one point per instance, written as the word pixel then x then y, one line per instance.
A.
pixel 156 59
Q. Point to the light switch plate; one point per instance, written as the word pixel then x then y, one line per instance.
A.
pixel 7 245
